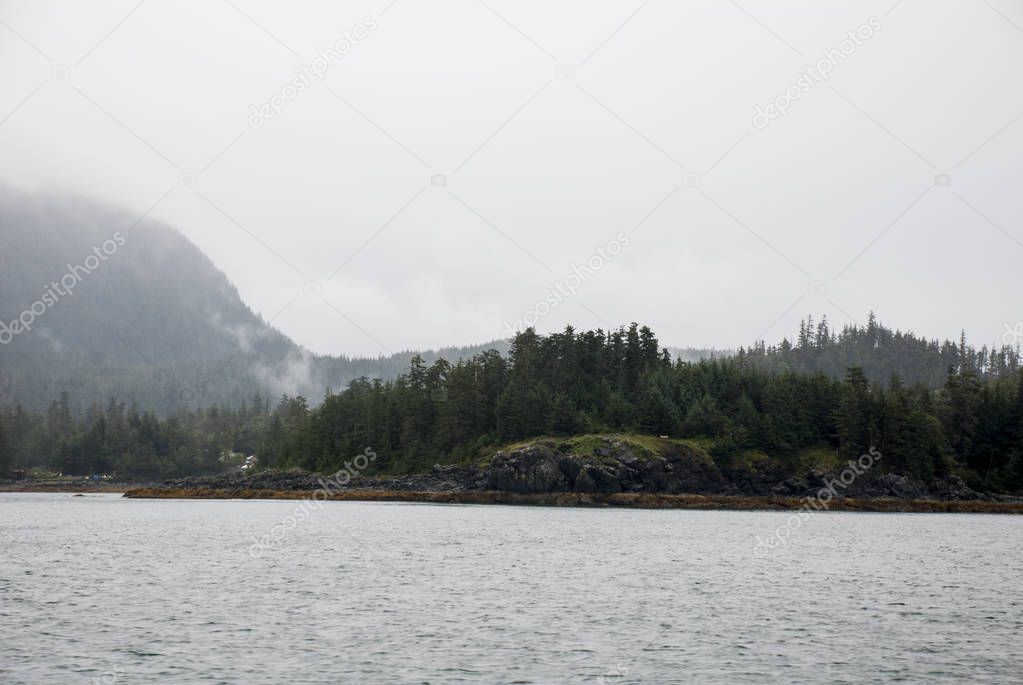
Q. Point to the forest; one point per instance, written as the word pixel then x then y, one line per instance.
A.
pixel 932 409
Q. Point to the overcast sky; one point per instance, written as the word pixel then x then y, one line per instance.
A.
pixel 447 171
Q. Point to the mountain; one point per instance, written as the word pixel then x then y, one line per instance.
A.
pixel 99 306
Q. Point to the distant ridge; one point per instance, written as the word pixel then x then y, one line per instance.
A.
pixel 154 323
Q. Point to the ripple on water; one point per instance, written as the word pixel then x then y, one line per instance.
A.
pixel 159 591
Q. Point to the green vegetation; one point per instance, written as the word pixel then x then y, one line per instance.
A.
pixel 5 452
pixel 581 389
pixel 132 444
pixel 590 445
pixel 743 410
pixel 881 353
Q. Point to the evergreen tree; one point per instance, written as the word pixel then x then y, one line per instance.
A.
pixel 5 451
pixel 854 414
pixel 569 383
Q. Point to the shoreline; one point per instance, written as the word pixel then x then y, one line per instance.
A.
pixel 574 499
pixel 71 487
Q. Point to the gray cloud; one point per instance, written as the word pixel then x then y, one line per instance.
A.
pixel 125 102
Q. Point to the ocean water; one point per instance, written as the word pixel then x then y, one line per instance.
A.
pixel 100 589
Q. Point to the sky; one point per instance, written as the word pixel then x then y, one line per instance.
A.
pixel 450 171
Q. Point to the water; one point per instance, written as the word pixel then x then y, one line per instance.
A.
pixel 103 589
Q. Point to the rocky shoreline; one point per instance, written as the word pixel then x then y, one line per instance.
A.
pixel 70 486
pixel 607 471
pixel 575 499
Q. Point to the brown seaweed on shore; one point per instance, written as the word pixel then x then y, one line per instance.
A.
pixel 575 499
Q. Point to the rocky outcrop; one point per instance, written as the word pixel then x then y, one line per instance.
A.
pixel 439 479
pixel 606 466
pixel 610 466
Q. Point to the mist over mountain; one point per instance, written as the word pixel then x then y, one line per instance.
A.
pixel 101 304
pixel 98 303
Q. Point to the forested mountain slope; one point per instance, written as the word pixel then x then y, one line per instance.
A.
pixel 136 312
pixel 154 323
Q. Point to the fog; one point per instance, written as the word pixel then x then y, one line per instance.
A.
pixel 448 169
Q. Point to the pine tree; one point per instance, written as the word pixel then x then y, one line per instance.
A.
pixel 5 452
pixel 854 414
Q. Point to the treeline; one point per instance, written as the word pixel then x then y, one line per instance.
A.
pixel 129 443
pixel 570 383
pixel 881 352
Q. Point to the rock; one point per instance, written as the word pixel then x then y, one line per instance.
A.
pixel 585 482
pixel 532 469
pixel 611 466
pixel 789 487
pixel 597 479
pixel 899 486
pixel 953 488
